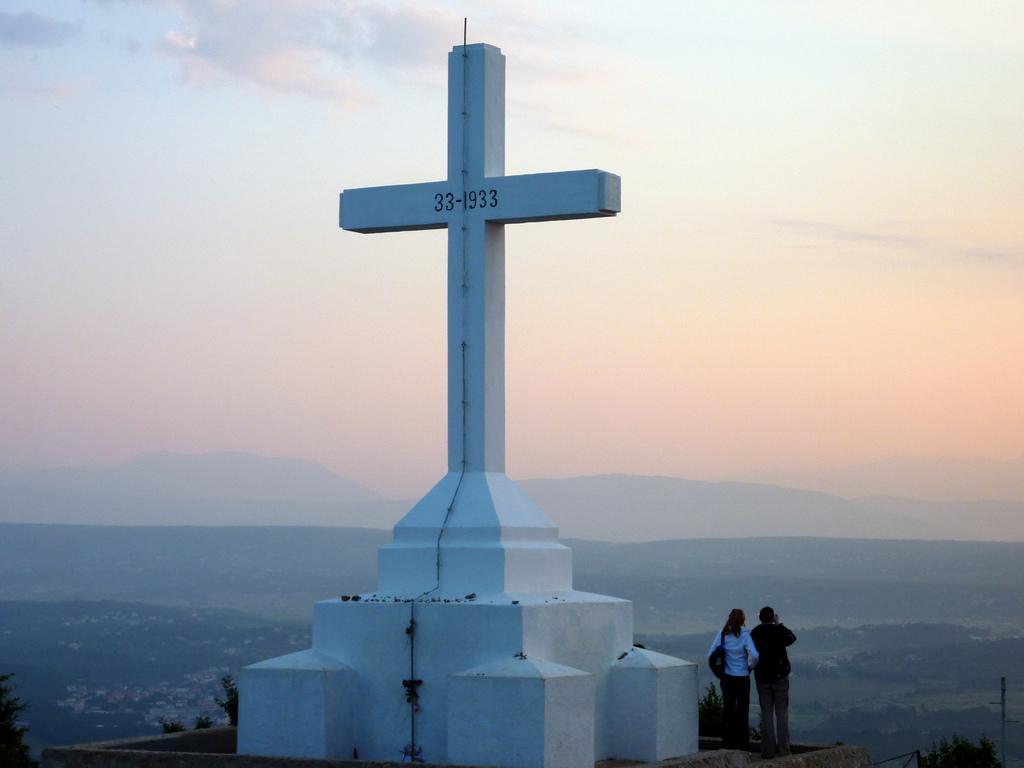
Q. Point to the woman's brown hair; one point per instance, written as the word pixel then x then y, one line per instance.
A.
pixel 735 622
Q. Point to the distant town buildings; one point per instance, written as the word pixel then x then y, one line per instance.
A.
pixel 180 701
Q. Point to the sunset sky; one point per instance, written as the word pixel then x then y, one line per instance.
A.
pixel 820 257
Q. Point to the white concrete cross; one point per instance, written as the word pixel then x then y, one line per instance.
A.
pixel 475 612
pixel 474 203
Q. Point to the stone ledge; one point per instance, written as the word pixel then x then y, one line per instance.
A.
pixel 716 758
pixel 803 755
pixel 220 741
pixel 809 757
pixel 215 748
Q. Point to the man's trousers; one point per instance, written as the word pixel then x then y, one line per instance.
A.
pixel 774 699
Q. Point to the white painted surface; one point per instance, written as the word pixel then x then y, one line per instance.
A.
pixel 531 197
pixel 576 629
pixel 584 631
pixel 574 633
pixel 496 540
pixel 474 533
pixel 522 713
pixel 654 706
pixel 299 704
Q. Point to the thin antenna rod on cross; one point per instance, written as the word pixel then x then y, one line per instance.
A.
pixel 465 24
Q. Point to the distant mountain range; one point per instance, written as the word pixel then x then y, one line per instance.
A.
pixel 202 489
pixel 634 508
pixel 219 476
pixel 930 478
pixel 241 489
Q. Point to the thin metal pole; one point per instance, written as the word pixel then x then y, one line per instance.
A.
pixel 1002 707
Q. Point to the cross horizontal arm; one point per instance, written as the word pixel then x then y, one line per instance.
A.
pixel 555 196
pixel 395 208
pixel 500 199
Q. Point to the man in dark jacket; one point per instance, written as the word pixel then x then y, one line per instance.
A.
pixel 771 638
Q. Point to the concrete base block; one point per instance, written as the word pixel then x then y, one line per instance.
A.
pixel 521 713
pixel 575 629
pixel 299 704
pixel 654 709
pixel 363 651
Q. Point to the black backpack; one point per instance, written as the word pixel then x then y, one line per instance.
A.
pixel 717 658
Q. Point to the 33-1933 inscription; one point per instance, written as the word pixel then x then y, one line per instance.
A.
pixel 474 198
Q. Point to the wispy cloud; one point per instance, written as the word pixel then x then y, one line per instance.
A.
pixel 34 30
pixel 822 230
pixel 325 48
pixel 309 47
pixel 51 92
pixel 889 235
pixel 176 40
pixel 995 256
pixel 585 131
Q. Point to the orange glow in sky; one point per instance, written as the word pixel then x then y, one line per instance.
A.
pixel 820 258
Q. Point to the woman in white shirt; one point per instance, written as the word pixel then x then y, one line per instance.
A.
pixel 740 658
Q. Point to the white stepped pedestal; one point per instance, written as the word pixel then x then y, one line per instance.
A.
pixel 642 704
pixel 575 629
pixel 496 540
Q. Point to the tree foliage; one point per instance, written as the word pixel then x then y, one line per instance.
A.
pixel 13 749
pixel 171 726
pixel 961 753
pixel 230 701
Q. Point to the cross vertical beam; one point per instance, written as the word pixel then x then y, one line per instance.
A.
pixel 476 112
pixel 476 264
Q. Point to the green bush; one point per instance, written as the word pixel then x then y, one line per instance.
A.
pixel 710 711
pixel 961 753
pixel 171 726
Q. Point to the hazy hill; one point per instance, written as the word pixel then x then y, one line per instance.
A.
pixel 682 585
pixel 191 603
pixel 210 476
pixel 204 489
pixel 633 508
pixel 932 478
pixel 239 489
